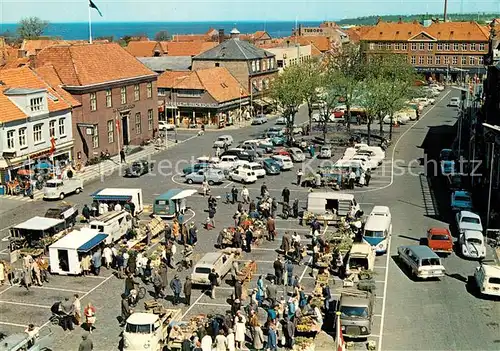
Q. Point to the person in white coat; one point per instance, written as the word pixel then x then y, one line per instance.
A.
pixel 231 345
pixel 206 343
pixel 220 341
pixel 108 256
pixel 239 330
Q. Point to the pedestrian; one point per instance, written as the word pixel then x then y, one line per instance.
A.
pixel 126 310
pixel 93 209
pixel 249 239
pixel 163 271
pixel 325 291
pixel 237 239
pixel 271 292
pixel 97 261
pixel 286 195
pixel 274 207
pixel 130 283
pixel 36 273
pixel 77 309
pixel 260 290
pixel 213 278
pixel 217 152
pixel 89 313
pixel 167 232
pixel 3 271
pixel 289 272
pixel 263 190
pixel 176 287
pixel 122 155
pixel 187 291
pixel 286 243
pixel 239 331
pixel 245 195
pixel 193 234
pixel 27 278
pixel 120 264
pixel 108 256
pixel 289 333
pixel 271 229
pixel 157 283
pixel 300 173
pixel 234 194
pixel 67 314
pixel 258 338
pixel 205 187
pixel 86 213
pixel 86 344
pixel 352 179
pixel 220 341
pixel 206 343
pixel 278 270
pixel 85 264
pixel 368 176
pixel 238 290
pixel 231 343
pixel 272 338
pixel 211 215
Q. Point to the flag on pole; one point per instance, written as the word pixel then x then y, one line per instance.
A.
pixel 339 337
pixel 117 125
pixel 52 145
pixel 94 6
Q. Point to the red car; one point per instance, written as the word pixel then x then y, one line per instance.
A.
pixel 282 152
pixel 440 240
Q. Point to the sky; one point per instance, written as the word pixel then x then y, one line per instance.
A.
pixel 62 11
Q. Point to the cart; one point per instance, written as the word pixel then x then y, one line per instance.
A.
pixel 248 270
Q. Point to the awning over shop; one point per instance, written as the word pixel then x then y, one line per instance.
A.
pixel 96 240
pixel 103 197
pixel 184 193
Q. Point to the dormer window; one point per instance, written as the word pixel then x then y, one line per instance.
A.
pixel 36 104
pixel 253 66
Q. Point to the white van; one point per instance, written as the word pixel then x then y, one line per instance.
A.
pixel 285 162
pixel 340 203
pixel 219 261
pixel 487 279
pixel 115 224
pixel 242 175
pixel 121 196
pixel 58 188
pixel 378 229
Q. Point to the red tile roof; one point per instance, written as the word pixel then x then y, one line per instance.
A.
pixel 322 43
pixel 144 48
pixel 169 78
pixel 458 31
pixel 82 65
pixel 187 48
pixel 49 74
pixel 191 37
pixel 392 31
pixel 32 46
pixel 355 33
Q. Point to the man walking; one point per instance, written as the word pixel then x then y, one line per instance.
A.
pixel 187 291
pixel 212 277
pixel 126 311
pixel 157 284
pixel 289 272
pixel 299 176
pixel 286 195
pixel 271 229
pixel 176 287
pixel 278 270
pixel 67 309
pixel 263 190
pixel 122 155
pixel 327 296
pixel 234 194
pixel 238 290
pixel 368 176
pixel 245 195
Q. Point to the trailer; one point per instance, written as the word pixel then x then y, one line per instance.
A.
pixel 121 196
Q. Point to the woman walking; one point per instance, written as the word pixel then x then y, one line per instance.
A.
pixel 89 312
pixel 77 310
pixel 260 290
pixel 2 272
pixel 239 331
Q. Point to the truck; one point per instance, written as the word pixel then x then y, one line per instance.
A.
pixel 149 330
pixel 58 188
pixel 121 196
pixel 356 312
pixel 360 258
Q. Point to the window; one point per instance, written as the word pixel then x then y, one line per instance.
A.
pixel 137 92
pixel 480 60
pixel 388 46
pixel 371 46
pixel 420 60
pixel 413 60
pixel 396 46
pixel 473 47
pixel 22 137
pixel 111 135
pixel 454 60
pixel 380 46
pixel 429 60
pixel 150 119
pixel 10 139
pixel 264 65
pixel 271 61
pixel 404 46
pixel 62 129
pixel 258 65
pixel 95 138
pixel 149 90
pixel 464 46
pixel 430 46
pixel 123 95
pixel 440 46
pixel 481 47
pixel 37 133
pixel 109 100
pixel 455 47
pixel 413 46
pixel 438 60
pixel 36 104
pixel 138 123
pixel 446 46
pixel 421 46
pixel 446 60
pixel 93 101
pixel 253 66
pixel 471 60
pixel 52 128
pixel 280 63
pixel 464 60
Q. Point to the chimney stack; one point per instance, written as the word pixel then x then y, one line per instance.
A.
pixel 235 34
pixel 21 53
pixel 32 61
pixel 221 35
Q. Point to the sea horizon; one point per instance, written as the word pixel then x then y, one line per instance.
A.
pixel 79 30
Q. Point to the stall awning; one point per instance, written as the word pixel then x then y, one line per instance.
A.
pixel 96 240
pixel 103 197
pixel 184 193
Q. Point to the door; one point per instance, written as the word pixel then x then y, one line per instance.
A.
pixel 125 129
pixel 63 260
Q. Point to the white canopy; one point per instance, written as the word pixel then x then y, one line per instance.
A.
pixel 183 194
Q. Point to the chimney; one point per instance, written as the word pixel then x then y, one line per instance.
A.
pixel 221 35
pixel 379 19
pixel 21 53
pixel 235 34
pixel 400 20
pixel 32 61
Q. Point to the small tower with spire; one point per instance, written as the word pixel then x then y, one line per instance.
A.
pixel 235 34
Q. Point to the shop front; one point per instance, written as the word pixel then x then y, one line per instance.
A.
pixel 452 73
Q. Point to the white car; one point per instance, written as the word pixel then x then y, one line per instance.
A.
pixel 325 151
pixel 436 86
pixel 285 162
pixel 454 102
pixel 223 141
pixel 242 175
pixel 164 125
pixel 487 279
pixel 472 244
pixel 297 130
pixel 229 162
pixel 398 118
pixel 372 164
pixel 256 168
pixel 374 157
pixel 280 121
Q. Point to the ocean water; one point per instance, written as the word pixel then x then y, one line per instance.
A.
pixel 80 31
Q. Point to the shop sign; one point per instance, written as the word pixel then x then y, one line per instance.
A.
pixel 124 108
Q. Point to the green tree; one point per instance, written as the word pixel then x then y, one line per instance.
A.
pixel 375 90
pixel 288 93
pixel 311 81
pixel 162 35
pixel 31 27
pixel 329 97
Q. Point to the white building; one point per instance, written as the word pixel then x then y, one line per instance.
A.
pixel 289 55
pixel 33 117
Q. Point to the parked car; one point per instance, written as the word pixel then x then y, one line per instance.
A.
pixel 195 168
pixel 440 240
pixel 274 131
pixel 263 145
pixel 58 188
pixel 374 157
pixel 282 151
pixel 454 181
pixel 399 119
pixel 242 175
pixel 436 86
pixel 278 140
pixel 240 153
pixel 325 151
pixel 255 167
pixel 472 244
pixel 253 150
pixel 422 261
pixel 461 201
pixel 454 102
pixel 285 162
pixel 223 141
pixel 271 166
pixel 296 154
pixel 164 125
pixel 467 220
pixel 259 119
pixel 213 176
pixel 487 279
pixel 281 121
pixel 138 168
pixel 228 162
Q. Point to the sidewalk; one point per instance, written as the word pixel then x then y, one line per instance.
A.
pixel 235 126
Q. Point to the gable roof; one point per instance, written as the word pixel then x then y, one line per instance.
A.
pixel 33 46
pixel 393 31
pixel 234 49
pixel 167 63
pixel 187 48
pixel 143 48
pixel 49 74
pixel 26 78
pixel 458 31
pixel 169 78
pixel 322 43
pixel 258 35
pixel 83 65
pixel 355 33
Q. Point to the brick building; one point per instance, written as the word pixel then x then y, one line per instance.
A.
pixel 117 93
pixel 443 50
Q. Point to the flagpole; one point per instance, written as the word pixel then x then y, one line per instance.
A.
pixel 90 25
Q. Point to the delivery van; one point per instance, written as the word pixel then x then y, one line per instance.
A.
pixel 121 196
pixel 115 224
pixel 340 203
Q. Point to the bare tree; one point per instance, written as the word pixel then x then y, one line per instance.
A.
pixel 31 27
pixel 162 35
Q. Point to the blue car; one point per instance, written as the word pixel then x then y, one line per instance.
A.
pixel 461 201
pixel 271 166
pixel 195 168
pixel 447 167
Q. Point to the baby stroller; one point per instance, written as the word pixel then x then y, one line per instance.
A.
pixel 57 314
